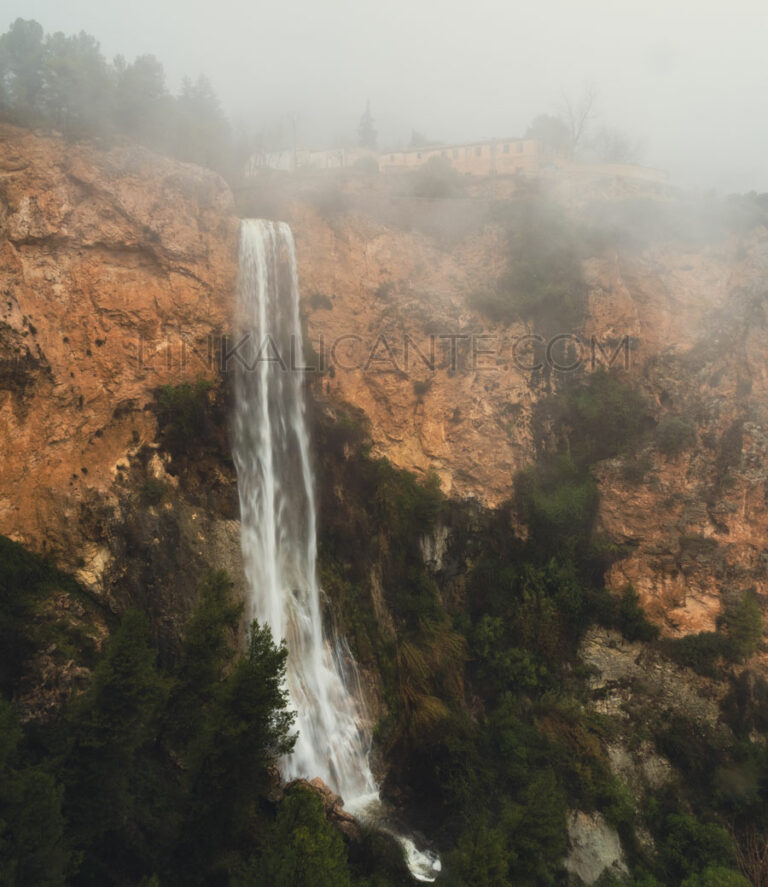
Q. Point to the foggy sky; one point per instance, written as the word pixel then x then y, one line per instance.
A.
pixel 686 78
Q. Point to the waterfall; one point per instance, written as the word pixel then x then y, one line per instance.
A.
pixel 278 525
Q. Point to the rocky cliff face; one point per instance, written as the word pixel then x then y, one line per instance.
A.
pixel 114 261
pixel 694 317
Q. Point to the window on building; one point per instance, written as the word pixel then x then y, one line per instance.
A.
pixel 520 147
pixel 506 149
pixel 478 151
pixel 419 155
pixel 455 153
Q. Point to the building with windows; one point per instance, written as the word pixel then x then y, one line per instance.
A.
pixel 291 160
pixel 573 181
pixel 490 157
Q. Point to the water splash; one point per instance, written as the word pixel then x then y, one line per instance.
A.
pixel 278 526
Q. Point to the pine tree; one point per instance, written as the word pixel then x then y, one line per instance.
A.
pixel 301 849
pixel 32 847
pixel 243 732
pixel 366 132
pixel 112 728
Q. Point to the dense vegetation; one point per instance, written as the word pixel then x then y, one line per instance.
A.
pixel 63 82
pixel 543 283
pixel 154 774
pixel 487 725
pixel 159 769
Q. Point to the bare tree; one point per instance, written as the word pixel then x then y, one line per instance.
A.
pixel 752 857
pixel 611 145
pixel 578 115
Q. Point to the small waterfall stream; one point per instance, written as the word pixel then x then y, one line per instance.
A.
pixel 278 525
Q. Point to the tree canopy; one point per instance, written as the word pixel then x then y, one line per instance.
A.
pixel 64 82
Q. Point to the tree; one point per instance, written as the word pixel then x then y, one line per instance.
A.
pixel 366 132
pixel 209 643
pixel 77 84
pixel 537 830
pixel 302 849
pixel 21 68
pixel 202 129
pixel 613 146
pixel 551 131
pixel 111 727
pixel 243 732
pixel 64 82
pixel 744 626
pixel 32 848
pixel 577 115
pixel 419 140
pixel 142 105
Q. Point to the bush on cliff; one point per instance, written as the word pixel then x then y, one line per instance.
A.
pixel 543 283
pixel 183 413
pixel 675 434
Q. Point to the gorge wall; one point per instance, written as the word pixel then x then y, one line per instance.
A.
pixel 105 249
pixel 693 311
pixel 112 262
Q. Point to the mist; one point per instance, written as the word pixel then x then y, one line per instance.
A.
pixel 686 84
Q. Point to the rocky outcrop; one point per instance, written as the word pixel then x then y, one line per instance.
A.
pixel 116 267
pixel 333 805
pixel 382 304
pixel 595 848
pixel 623 670
pixel 692 524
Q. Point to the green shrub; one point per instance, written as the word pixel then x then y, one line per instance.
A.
pixel 701 652
pixel 153 491
pixel 631 618
pixel 604 417
pixel 320 300
pixel 557 501
pixel 184 415
pixel 367 164
pixel 691 847
pixel 481 858
pixel 634 470
pixel 675 434
pixel 716 876
pixel 329 201
pixel 543 282
pixel 744 627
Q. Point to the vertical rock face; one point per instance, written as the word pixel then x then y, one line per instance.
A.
pixel 695 516
pixel 694 521
pixel 115 268
pixel 382 303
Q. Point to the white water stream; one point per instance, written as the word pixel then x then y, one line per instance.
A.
pixel 279 534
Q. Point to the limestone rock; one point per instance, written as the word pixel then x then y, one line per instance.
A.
pixel 115 269
pixel 594 847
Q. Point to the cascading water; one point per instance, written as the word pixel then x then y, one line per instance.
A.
pixel 279 539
